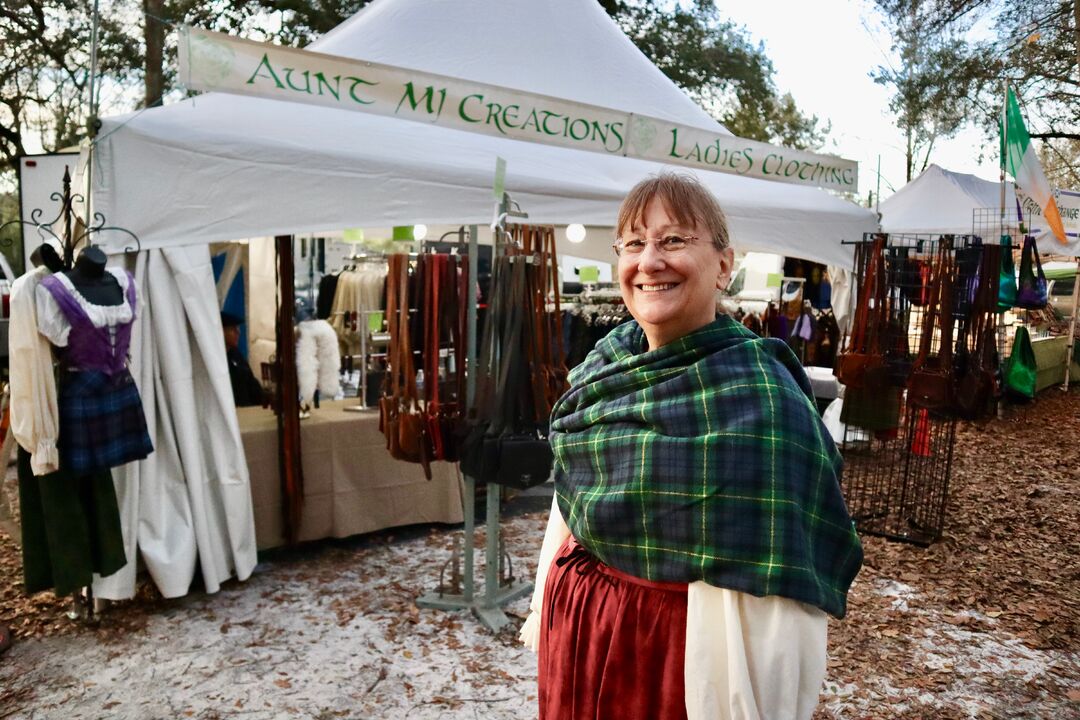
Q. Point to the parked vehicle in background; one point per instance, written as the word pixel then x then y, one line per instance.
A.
pixel 1060 293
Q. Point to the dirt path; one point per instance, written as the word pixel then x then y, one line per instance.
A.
pixel 984 624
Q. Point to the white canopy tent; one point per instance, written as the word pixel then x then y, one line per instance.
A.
pixel 221 167
pixel 942 201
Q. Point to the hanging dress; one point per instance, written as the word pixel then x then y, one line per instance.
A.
pixel 102 424
pixel 70 520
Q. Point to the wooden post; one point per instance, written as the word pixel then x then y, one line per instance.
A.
pixel 288 395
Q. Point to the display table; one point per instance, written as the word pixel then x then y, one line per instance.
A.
pixel 1050 355
pixel 351 484
pixel 824 384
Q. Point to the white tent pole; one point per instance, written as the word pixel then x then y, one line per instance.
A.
pixel 1072 326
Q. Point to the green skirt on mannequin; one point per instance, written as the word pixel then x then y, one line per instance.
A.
pixel 70 528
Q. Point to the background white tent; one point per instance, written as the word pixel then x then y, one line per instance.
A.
pixel 220 167
pixel 942 201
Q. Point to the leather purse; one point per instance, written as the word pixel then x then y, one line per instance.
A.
pixel 975 375
pixel 401 420
pixel 930 385
pixel 862 353
pixel 1031 289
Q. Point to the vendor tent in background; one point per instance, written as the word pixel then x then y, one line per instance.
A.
pixel 220 167
pixel 942 201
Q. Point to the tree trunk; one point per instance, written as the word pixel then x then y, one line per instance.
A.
pixel 910 156
pixel 154 37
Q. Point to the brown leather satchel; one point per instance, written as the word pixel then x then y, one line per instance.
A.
pixel 863 352
pixel 930 385
pixel 401 419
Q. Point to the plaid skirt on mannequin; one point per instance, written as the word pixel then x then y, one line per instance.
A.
pixel 611 645
pixel 102 424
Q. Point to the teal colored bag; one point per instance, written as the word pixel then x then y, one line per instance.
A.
pixel 1020 369
pixel 1007 282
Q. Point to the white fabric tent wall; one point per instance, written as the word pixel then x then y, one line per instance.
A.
pixel 190 500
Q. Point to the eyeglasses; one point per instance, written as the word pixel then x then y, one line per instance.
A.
pixel 670 244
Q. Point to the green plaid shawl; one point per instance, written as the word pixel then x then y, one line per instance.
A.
pixel 704 460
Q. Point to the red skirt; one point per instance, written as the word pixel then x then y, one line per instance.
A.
pixel 611 645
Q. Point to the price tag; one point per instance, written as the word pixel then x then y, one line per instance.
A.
pixel 375 321
pixel 774 280
pixel 353 235
pixel 589 274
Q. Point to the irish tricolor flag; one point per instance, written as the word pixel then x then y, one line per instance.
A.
pixel 1023 164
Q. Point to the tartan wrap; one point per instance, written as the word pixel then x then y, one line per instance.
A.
pixel 704 459
pixel 102 424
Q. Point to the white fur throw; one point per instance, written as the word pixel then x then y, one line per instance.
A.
pixel 317 361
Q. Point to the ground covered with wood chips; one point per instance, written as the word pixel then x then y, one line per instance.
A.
pixel 983 624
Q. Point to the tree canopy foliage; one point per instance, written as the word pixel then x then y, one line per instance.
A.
pixel 963 52
pixel 720 67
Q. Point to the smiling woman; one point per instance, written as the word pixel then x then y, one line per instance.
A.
pixel 673 256
pixel 698 537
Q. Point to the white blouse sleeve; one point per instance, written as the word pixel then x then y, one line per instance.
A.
pixel 752 658
pixel 52 323
pixel 34 414
pixel 554 537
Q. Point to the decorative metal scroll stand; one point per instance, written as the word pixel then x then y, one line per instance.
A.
pixel 82 602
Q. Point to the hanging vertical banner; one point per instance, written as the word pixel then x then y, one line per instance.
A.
pixel 212 61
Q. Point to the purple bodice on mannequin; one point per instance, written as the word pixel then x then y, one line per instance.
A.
pixel 92 348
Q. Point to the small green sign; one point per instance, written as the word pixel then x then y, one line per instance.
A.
pixel 589 274
pixel 403 232
pixel 774 280
pixel 500 178
pixel 375 321
pixel 353 235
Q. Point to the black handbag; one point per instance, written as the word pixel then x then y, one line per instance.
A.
pixel 504 444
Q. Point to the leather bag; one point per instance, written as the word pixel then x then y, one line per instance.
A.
pixel 930 385
pixel 863 353
pixel 1031 289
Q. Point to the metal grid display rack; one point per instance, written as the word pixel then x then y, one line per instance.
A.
pixel 898 456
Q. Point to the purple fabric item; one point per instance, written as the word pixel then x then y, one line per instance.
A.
pixel 89 347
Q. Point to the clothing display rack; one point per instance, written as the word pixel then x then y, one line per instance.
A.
pixel 897 444
pixel 500 588
pixel 74 233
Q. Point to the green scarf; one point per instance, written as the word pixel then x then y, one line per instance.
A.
pixel 704 459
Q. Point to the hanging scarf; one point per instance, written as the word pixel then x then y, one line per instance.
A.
pixel 704 459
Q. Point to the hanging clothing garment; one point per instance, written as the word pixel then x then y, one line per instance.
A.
pixel 357 292
pixel 34 413
pixel 102 424
pixel 324 302
pixel 317 361
pixel 70 528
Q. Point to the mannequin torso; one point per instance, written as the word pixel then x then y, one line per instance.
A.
pixel 93 283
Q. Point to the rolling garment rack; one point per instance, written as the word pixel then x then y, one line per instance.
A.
pixel 498 590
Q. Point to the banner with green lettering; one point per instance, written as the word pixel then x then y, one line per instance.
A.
pixel 215 62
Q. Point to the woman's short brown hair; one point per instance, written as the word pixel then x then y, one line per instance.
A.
pixel 684 198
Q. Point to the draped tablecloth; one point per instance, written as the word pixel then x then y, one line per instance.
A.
pixel 351 484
